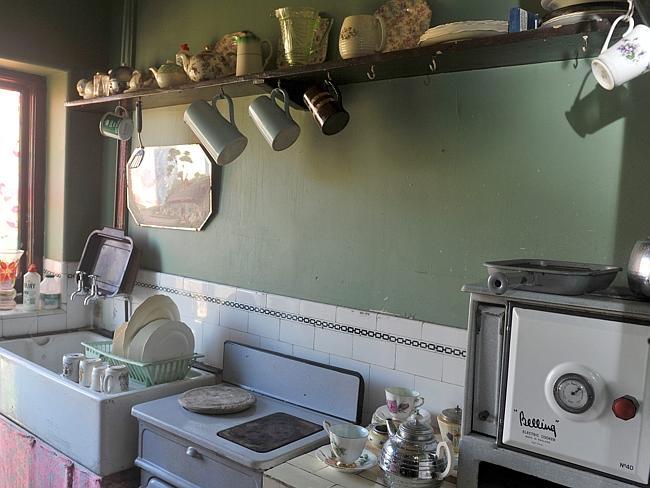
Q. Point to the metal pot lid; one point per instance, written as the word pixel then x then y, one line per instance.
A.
pixel 452 415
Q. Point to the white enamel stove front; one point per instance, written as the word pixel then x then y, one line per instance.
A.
pixel 577 390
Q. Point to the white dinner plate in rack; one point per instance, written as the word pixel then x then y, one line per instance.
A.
pixel 458 31
pixel 162 340
pixel 558 4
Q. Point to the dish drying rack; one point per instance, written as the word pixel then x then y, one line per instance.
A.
pixel 148 374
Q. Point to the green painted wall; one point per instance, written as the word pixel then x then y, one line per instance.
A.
pixel 426 183
pixel 63 40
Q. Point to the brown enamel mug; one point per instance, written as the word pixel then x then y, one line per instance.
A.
pixel 324 102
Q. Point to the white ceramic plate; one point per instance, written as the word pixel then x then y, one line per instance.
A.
pixel 579 17
pixel 153 308
pixel 366 461
pixel 162 340
pixel 557 4
pixel 457 31
pixel 118 339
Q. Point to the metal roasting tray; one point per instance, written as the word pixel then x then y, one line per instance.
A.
pixel 546 276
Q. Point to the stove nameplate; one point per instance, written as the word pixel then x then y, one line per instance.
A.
pixel 271 432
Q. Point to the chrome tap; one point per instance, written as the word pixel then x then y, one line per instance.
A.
pixel 80 277
pixel 94 290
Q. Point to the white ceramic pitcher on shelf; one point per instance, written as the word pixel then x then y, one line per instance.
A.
pixel 250 57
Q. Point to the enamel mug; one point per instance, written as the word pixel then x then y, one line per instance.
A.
pixel 116 379
pixel 325 104
pixel 71 366
pixel 97 376
pixel 117 125
pixel 625 60
pixel 362 35
pixel 219 136
pixel 86 367
pixel 274 121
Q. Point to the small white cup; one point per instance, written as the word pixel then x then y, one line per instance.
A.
pixel 97 377
pixel 116 379
pixel 86 367
pixel 625 60
pixel 402 402
pixel 71 366
pixel 347 441
pixel 274 122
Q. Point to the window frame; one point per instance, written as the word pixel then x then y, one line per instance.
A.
pixel 31 193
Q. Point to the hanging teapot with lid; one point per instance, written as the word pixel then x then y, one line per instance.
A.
pixel 412 456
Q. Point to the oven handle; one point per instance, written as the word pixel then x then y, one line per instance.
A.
pixel 194 453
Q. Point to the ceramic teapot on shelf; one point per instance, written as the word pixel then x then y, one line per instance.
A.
pixel 169 75
pixel 202 66
pixel 412 456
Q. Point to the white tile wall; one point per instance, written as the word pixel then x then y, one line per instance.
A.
pixel 438 377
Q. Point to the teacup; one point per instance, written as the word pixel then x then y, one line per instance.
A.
pixel 347 441
pixel 402 402
pixel 625 60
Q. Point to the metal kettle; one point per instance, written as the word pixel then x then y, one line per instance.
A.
pixel 412 456
pixel 638 268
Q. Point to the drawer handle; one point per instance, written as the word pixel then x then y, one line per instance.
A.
pixel 193 452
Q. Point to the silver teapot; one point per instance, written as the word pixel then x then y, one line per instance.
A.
pixel 412 456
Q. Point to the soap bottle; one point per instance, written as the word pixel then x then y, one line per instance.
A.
pixel 51 292
pixel 31 288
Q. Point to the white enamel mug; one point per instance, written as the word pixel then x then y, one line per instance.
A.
pixel 274 121
pixel 116 379
pixel 86 367
pixel 625 60
pixel 347 441
pixel 219 135
pixel 97 376
pixel 71 366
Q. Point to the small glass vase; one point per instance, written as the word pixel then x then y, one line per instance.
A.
pixel 8 273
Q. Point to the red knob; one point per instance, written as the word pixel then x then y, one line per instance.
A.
pixel 625 407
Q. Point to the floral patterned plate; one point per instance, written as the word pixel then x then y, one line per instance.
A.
pixel 457 31
pixel 406 21
pixel 366 461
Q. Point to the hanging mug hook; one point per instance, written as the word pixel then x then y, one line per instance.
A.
pixel 433 66
pixel 371 73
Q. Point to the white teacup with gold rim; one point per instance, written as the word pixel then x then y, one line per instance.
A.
pixel 347 441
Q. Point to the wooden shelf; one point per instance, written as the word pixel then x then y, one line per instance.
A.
pixel 567 43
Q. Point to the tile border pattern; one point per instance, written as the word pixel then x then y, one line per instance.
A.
pixel 316 323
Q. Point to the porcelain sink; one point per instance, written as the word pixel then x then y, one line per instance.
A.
pixel 94 429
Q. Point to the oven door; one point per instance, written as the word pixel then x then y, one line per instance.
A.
pixel 577 391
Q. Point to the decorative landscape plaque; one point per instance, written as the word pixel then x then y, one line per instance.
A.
pixel 172 188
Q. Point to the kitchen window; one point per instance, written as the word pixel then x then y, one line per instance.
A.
pixel 22 162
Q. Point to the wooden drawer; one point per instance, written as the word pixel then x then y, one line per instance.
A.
pixel 185 465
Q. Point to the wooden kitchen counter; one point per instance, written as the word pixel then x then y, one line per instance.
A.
pixel 307 471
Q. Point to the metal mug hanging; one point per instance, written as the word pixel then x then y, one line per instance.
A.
pixel 325 103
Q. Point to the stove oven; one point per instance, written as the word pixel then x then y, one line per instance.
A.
pixel 182 449
pixel 558 391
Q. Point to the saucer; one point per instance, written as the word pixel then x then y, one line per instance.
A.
pixel 366 461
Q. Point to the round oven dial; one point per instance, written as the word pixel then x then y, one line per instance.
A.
pixel 573 393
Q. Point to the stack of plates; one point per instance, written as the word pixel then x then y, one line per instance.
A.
pixel 154 333
pixel 458 31
pixel 569 12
